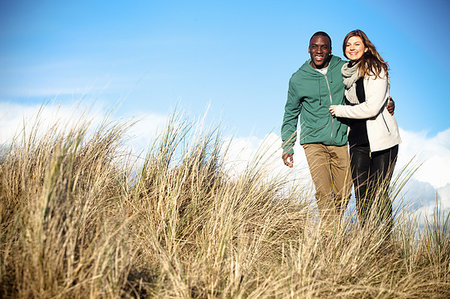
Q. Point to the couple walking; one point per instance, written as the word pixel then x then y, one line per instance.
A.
pixel 333 96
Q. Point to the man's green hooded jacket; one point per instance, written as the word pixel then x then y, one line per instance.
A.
pixel 310 96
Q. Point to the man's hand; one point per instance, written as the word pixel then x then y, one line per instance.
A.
pixel 288 160
pixel 391 106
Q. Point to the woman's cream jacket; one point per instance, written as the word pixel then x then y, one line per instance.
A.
pixel 382 129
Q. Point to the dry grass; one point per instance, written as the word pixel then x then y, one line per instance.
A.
pixel 77 222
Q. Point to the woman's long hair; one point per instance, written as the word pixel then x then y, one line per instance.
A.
pixel 371 63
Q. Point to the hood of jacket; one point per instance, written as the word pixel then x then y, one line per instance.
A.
pixel 310 94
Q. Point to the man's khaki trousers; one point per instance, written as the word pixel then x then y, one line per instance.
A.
pixel 330 171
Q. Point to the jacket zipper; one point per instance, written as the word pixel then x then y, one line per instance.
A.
pixel 385 123
pixel 387 127
pixel 331 103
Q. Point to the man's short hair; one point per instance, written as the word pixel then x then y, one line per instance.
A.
pixel 320 33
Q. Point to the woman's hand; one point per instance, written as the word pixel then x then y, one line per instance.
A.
pixel 331 109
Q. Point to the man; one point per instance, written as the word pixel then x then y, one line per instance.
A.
pixel 312 89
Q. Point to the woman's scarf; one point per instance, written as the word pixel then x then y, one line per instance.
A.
pixel 350 74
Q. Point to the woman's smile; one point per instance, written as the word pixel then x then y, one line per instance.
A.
pixel 355 48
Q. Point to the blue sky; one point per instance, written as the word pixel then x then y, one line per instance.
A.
pixel 234 56
pixel 230 58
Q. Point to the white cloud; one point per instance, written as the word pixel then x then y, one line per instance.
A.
pixel 17 119
pixel 245 152
pixel 444 194
pixel 432 152
pixel 146 128
pixel 430 181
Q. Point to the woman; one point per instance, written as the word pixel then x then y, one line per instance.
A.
pixel 373 134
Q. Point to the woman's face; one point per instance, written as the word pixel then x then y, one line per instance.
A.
pixel 354 49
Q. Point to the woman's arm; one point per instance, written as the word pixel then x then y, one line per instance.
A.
pixel 376 92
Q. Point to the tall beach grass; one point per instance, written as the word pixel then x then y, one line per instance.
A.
pixel 78 221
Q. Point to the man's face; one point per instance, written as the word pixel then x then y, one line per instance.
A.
pixel 319 50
